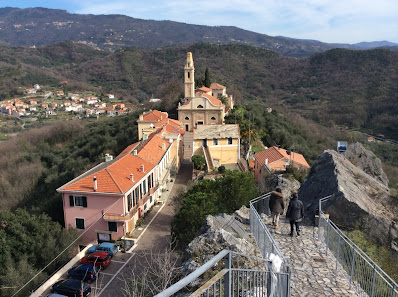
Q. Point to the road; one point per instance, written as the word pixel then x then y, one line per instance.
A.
pixel 156 238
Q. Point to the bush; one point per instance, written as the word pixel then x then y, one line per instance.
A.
pixel 221 169
pixel 199 162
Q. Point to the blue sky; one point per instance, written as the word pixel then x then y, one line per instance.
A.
pixel 343 21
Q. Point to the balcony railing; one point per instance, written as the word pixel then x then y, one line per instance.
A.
pixel 120 217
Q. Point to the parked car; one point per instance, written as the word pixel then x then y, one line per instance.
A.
pixel 99 259
pixel 85 272
pixel 107 247
pixel 53 295
pixel 71 288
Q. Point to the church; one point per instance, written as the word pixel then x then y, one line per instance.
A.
pixel 202 115
pixel 202 106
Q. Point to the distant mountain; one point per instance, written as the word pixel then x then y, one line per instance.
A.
pixel 374 44
pixel 41 26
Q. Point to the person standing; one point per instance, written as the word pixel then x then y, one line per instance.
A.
pixel 276 206
pixel 295 214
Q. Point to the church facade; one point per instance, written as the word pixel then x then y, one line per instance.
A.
pixel 200 106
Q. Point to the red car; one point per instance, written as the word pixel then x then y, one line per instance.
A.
pixel 98 259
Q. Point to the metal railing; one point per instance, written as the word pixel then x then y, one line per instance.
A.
pixel 233 274
pixel 265 241
pixel 364 275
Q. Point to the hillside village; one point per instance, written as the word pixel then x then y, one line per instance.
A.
pixel 38 101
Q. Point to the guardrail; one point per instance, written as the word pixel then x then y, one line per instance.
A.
pixel 238 275
pixel 365 276
pixel 265 241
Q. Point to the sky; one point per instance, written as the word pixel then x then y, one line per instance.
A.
pixel 333 21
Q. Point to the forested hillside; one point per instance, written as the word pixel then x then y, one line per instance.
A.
pixel 344 87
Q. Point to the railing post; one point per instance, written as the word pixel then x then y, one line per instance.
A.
pixel 227 276
pixel 373 280
pixel 319 219
pixel 338 251
pixel 393 290
pixel 352 266
pixel 327 234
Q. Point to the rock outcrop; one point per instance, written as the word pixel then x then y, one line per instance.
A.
pixel 367 161
pixel 359 199
pixel 288 186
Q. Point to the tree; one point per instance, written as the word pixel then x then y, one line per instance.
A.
pixel 199 162
pixel 207 81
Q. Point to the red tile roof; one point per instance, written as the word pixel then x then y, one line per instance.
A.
pixel 171 126
pixel 212 99
pixel 153 116
pixel 113 177
pixel 216 86
pixel 277 155
pixel 204 89
pixel 128 149
pixel 153 150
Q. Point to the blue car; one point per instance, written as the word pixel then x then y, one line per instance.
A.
pixel 106 247
pixel 84 272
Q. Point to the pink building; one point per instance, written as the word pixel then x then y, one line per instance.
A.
pixel 106 201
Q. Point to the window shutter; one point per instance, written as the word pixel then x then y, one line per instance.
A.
pixel 84 201
pixel 71 201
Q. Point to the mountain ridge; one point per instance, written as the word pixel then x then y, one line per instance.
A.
pixel 44 26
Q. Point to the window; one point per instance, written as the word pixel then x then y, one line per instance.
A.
pixel 137 194
pixel 112 226
pixel 213 118
pixel 229 140
pixel 149 182
pixel 128 202
pixel 189 75
pixel 215 141
pixel 186 118
pixel 199 106
pixel 133 197
pixel 140 191
pixel 144 187
pixel 79 223
pixel 145 206
pixel 79 201
pixel 150 199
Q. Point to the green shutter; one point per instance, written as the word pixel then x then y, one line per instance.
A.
pixel 84 201
pixel 71 201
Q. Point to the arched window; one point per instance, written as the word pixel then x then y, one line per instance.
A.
pixel 186 118
pixel 199 106
pixel 213 118
pixel 189 75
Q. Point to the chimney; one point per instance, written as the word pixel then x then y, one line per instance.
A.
pixel 134 152
pixel 142 168
pixel 132 177
pixel 141 117
pixel 163 146
pixel 95 183
pixel 108 157
pixel 266 161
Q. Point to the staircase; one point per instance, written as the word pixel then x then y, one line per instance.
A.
pixel 209 159
pixel 188 146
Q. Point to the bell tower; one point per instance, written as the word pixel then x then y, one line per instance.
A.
pixel 189 78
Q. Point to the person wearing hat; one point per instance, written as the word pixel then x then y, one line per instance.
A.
pixel 276 206
pixel 295 214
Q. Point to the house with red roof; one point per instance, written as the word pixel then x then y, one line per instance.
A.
pixel 201 106
pixel 105 202
pixel 275 159
pixel 149 118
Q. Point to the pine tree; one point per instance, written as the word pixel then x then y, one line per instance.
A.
pixel 207 81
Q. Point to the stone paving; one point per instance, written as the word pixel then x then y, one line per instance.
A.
pixel 313 273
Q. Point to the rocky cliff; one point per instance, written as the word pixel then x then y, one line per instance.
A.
pixel 360 197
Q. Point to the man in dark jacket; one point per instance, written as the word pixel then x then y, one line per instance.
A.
pixel 276 206
pixel 295 214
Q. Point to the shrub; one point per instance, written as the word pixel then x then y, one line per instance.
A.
pixel 221 169
pixel 199 162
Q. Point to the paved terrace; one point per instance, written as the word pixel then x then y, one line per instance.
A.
pixel 313 273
